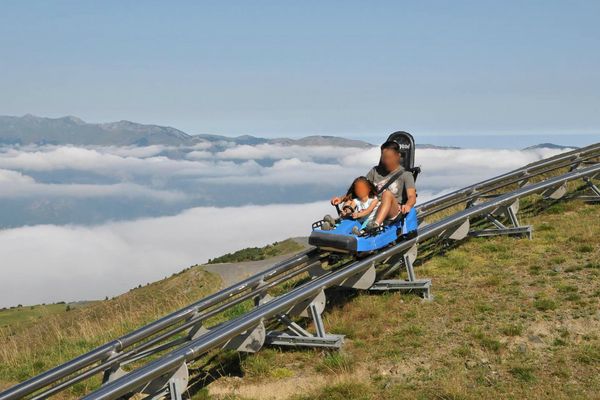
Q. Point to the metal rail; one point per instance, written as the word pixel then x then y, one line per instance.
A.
pixel 145 340
pixel 105 352
pixel 567 159
pixel 229 330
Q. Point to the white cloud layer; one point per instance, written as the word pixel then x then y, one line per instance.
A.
pixel 290 165
pixel 47 263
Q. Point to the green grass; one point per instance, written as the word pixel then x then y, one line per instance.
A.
pixel 512 330
pixel 39 338
pixel 487 342
pixel 336 362
pixel 589 354
pixel 23 315
pixel 340 391
pixel 543 304
pixel 525 374
pixel 259 253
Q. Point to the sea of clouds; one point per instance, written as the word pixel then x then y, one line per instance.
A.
pixel 87 222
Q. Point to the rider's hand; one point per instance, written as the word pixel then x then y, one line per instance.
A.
pixel 335 201
pixel 405 208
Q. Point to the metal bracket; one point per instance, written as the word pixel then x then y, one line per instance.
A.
pixel 362 281
pixel 500 229
pixel 168 386
pixel 250 341
pixel 524 181
pixel 302 309
pixel 298 336
pixel 458 232
pixel 113 372
pixel 595 197
pixel 473 202
pixel 555 193
pixel 178 382
pixel 423 286
pixel 399 262
pixel 197 329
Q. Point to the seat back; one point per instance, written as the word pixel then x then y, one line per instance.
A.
pixel 407 149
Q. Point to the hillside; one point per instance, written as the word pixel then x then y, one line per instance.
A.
pixel 511 318
pixel 22 316
pixel 30 347
pixel 37 337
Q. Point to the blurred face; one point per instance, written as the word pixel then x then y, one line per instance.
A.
pixel 390 159
pixel 361 189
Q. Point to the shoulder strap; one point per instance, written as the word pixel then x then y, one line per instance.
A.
pixel 390 181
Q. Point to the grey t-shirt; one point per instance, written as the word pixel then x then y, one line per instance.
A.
pixel 379 176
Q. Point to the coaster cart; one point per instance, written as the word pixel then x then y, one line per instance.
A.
pixel 341 239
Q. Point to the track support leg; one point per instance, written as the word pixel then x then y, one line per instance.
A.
pixel 595 197
pixel 412 284
pixel 298 336
pixel 500 229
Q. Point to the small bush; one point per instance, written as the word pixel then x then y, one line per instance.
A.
pixel 340 391
pixel 336 362
pixel 487 342
pixel 512 330
pixel 585 248
pixel 589 354
pixel 524 374
pixel 543 304
pixel 258 365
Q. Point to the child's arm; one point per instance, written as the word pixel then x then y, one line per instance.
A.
pixel 368 210
pixel 340 200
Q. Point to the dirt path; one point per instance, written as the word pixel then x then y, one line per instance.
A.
pixel 234 272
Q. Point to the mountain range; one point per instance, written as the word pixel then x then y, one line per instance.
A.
pixel 31 129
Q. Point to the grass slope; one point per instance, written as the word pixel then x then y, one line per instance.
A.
pixel 259 253
pixel 24 315
pixel 31 345
pixel 38 337
pixel 512 318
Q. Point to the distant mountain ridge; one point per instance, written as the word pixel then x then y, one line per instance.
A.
pixel 31 129
pixel 549 146
pixel 435 147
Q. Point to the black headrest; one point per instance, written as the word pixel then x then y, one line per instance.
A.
pixel 407 148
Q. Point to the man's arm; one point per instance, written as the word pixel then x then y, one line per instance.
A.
pixel 412 199
pixel 411 192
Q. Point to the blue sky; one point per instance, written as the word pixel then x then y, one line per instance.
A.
pixel 281 68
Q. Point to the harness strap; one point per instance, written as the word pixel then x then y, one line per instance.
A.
pixel 390 181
